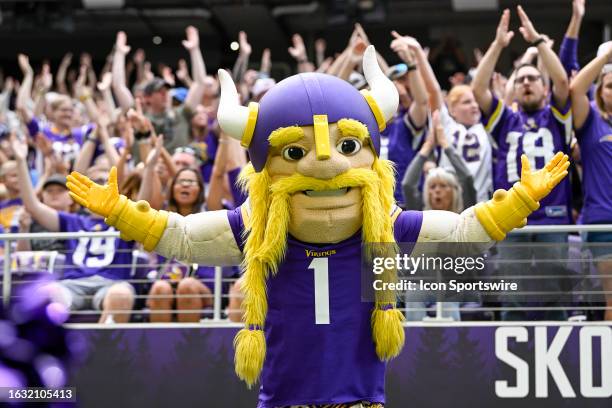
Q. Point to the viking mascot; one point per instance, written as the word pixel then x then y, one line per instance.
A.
pixel 316 192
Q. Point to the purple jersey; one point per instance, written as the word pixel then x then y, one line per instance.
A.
pixel 318 331
pixel 9 214
pixel 107 257
pixel 539 135
pixel 400 141
pixel 595 139
pixel 66 145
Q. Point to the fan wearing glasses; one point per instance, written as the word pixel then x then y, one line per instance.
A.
pixel 539 127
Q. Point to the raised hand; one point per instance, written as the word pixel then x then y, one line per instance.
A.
pixel 105 84
pixel 167 75
pixel 245 47
pixel 439 129
pixel 298 50
pixel 46 78
pixel 9 84
pixel 578 8
pixel 24 64
pixel 527 29
pixel 400 46
pixel 503 36
pixel 193 38
pixel 158 145
pixel 182 72
pixel 320 45
pixel 539 183
pixel 121 43
pixel 139 56
pixel 86 59
pixel 411 42
pixel 66 60
pixel 98 199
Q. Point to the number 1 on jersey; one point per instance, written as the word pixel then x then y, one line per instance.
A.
pixel 321 289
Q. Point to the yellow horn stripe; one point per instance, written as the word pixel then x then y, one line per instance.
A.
pixel 380 118
pixel 249 129
pixel 321 134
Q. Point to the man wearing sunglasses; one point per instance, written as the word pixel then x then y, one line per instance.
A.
pixel 539 127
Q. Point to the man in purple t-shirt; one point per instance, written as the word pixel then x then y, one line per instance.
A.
pixel 317 191
pixel 538 129
pixel 95 267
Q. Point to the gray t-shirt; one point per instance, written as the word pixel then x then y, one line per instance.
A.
pixel 175 125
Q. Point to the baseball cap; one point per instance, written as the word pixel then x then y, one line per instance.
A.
pixel 156 84
pixel 55 179
pixel 397 71
pixel 357 80
pixel 179 94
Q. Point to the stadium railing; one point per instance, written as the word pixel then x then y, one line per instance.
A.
pixel 23 267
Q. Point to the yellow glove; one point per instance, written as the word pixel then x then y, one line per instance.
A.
pixel 510 209
pixel 135 220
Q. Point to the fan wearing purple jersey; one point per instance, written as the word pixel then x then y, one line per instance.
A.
pixel 593 124
pixel 317 191
pixel 94 272
pixel 537 129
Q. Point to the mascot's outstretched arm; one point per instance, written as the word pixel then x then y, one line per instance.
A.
pixel 491 220
pixel 205 238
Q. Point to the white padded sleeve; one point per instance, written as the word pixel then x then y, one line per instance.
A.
pixel 205 238
pixel 446 226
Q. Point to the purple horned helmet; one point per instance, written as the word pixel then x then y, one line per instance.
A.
pixel 310 99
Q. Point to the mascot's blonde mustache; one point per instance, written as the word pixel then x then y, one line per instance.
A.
pixel 350 178
pixel 267 241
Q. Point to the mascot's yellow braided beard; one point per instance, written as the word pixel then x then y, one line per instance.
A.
pixel 267 240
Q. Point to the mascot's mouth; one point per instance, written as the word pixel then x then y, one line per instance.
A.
pixel 327 193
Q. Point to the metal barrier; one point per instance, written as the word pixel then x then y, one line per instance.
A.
pixel 217 314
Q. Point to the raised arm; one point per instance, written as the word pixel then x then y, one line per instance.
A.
pixel 24 95
pixel 7 91
pixel 205 238
pixel 151 188
pixel 432 85
pixel 242 62
pixel 581 85
pixel 298 52
pixel 420 98
pixel 410 182
pixel 43 214
pixel 484 72
pixel 196 90
pixel 266 63
pixel 548 57
pixel 60 76
pixel 86 154
pixel 104 87
pixel 122 93
pixel 573 29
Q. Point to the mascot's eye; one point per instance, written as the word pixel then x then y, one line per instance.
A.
pixel 349 147
pixel 293 153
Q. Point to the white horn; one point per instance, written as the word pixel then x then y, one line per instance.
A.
pixel 382 89
pixel 232 116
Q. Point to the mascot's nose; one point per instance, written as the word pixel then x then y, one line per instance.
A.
pixel 323 168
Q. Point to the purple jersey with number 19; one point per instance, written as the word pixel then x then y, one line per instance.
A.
pixel 318 332
pixel 539 135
